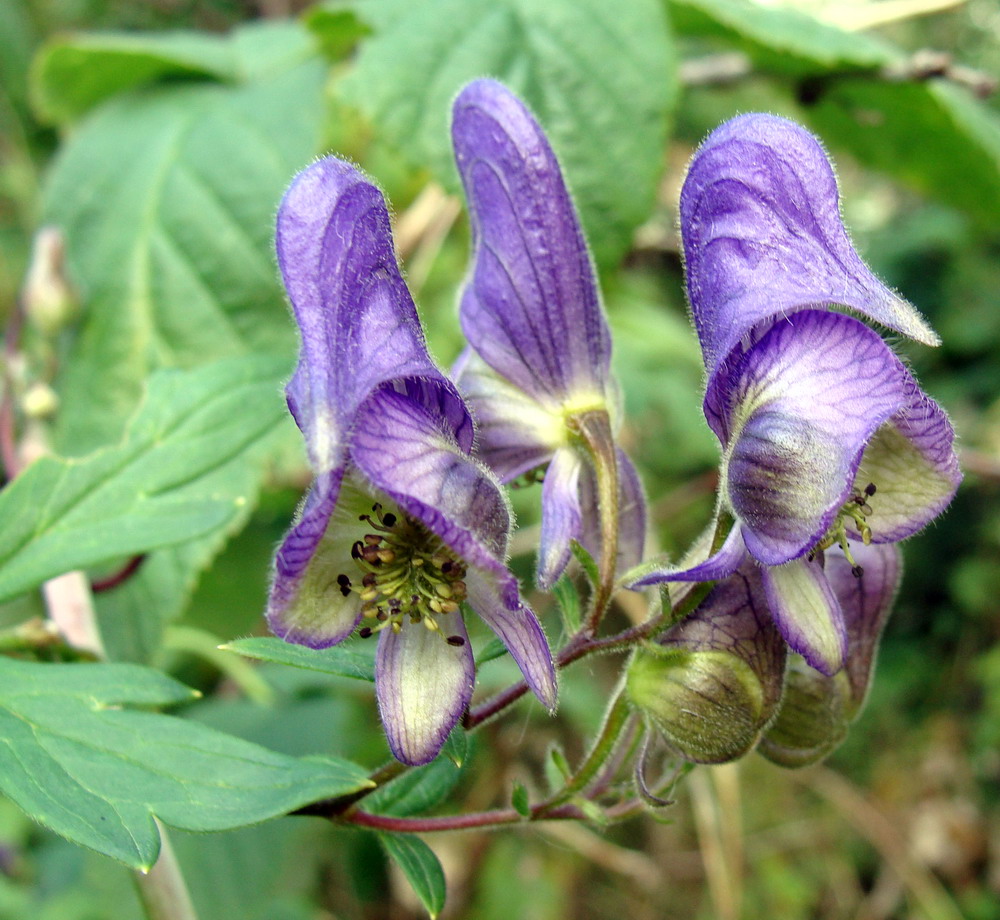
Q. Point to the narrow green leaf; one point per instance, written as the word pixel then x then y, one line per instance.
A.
pixel 491 650
pixel 456 748
pixel 97 773
pixel 417 790
pixel 519 799
pixel 421 868
pixel 605 108
pixel 340 660
pixel 560 762
pixel 72 74
pixel 586 561
pixel 149 491
pixel 568 599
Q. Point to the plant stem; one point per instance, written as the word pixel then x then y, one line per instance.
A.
pixel 162 890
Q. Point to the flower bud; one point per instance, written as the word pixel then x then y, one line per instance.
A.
pixel 813 719
pixel 715 680
pixel 708 705
pixel 49 301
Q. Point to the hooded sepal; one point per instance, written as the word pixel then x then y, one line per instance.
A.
pixel 763 238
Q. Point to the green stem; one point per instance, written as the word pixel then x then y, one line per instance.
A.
pixel 162 890
pixel 614 722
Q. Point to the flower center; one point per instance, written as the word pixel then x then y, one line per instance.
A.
pixel 858 510
pixel 406 573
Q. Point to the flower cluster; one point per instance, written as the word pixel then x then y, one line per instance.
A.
pixel 831 453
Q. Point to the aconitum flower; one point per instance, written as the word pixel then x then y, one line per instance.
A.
pixel 826 436
pixel 402 523
pixel 540 345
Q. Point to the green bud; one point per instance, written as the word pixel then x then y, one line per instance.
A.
pixel 813 719
pixel 710 705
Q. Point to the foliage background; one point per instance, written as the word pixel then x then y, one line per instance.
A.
pixel 162 152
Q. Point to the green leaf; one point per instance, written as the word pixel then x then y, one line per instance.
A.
pixel 149 491
pixel 495 648
pixel 779 39
pixel 456 748
pixel 417 790
pixel 568 599
pixel 97 774
pixel 601 82
pixel 586 561
pixel 931 135
pixel 519 799
pixel 167 197
pixel 345 662
pixel 337 29
pixel 421 868
pixel 72 74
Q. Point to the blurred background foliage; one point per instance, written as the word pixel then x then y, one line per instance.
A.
pixel 159 137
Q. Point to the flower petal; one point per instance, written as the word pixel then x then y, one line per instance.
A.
pixel 306 604
pixel 358 324
pixel 807 613
pixel 866 603
pixel 561 516
pixel 518 628
pixel 423 685
pixel 911 460
pixel 795 412
pixel 719 565
pixel 515 433
pixel 410 454
pixel 763 237
pixel 530 305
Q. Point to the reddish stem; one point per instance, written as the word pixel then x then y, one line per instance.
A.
pixel 120 577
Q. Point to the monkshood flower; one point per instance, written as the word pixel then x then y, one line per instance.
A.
pixel 402 523
pixel 715 682
pixel 540 355
pixel 826 436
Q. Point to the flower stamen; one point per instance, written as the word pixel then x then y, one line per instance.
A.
pixel 856 510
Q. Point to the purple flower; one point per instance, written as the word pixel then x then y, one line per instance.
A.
pixel 826 436
pixel 540 353
pixel 402 523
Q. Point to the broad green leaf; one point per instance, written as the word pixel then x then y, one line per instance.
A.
pixel 73 73
pixel 148 492
pixel 421 868
pixel 97 773
pixel 167 197
pixel 601 81
pixel 931 135
pixel 779 39
pixel 343 661
pixel 417 790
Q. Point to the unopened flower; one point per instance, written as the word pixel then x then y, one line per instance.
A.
pixel 540 356
pixel 827 439
pixel 402 524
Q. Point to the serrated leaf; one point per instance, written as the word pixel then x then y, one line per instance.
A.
pixel 72 74
pixel 97 773
pixel 166 196
pixel 417 790
pixel 605 109
pixel 568 599
pixel 339 660
pixel 780 39
pixel 149 491
pixel 519 799
pixel 421 868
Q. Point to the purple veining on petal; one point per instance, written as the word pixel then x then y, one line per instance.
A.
pixel 409 454
pixel 763 237
pixel 423 685
pixel 358 324
pixel 795 414
pixel 518 628
pixel 807 613
pixel 530 305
